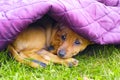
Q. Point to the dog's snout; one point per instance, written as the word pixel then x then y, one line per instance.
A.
pixel 61 53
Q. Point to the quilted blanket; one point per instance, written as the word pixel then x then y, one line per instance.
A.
pixel 96 20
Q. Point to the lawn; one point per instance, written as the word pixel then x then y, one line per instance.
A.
pixel 95 63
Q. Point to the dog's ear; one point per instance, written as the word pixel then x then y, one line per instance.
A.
pixel 61 26
pixel 91 43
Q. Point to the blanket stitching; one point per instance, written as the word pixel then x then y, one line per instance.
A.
pixel 26 5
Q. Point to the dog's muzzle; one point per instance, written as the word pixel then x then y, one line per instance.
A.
pixel 61 53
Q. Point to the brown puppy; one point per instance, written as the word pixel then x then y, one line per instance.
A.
pixel 38 46
pixel 68 43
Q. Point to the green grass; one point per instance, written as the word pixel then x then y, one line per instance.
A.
pixel 98 63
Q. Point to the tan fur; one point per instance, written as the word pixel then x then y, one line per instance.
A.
pixel 68 45
pixel 33 42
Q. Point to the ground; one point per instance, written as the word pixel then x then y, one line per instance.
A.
pixel 95 63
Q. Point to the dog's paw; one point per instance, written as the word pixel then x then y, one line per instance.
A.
pixel 72 62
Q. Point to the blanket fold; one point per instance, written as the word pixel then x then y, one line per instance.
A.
pixel 96 20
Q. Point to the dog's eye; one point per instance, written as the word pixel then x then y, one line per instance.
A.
pixel 63 37
pixel 77 42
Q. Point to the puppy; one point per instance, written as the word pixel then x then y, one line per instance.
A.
pixel 38 46
pixel 67 43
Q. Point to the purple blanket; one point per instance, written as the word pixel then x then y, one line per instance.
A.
pixel 96 20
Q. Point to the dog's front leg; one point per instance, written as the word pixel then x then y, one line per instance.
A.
pixel 55 59
pixel 35 58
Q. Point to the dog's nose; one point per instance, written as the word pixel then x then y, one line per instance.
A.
pixel 61 53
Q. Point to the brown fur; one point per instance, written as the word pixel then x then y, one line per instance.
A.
pixel 31 46
pixel 68 45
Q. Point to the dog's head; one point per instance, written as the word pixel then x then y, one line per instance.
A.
pixel 67 43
